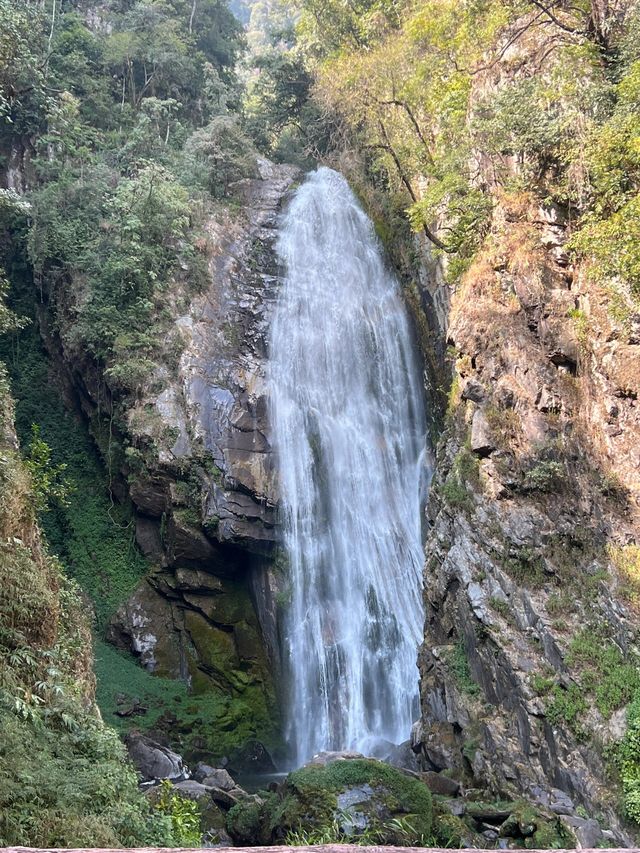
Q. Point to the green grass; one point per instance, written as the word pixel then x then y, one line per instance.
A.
pixel 459 665
pixel 463 478
pixel 568 706
pixel 92 535
pixel 605 673
pixel 212 720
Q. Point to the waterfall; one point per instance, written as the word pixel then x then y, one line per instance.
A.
pixel 349 433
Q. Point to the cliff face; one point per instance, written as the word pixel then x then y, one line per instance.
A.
pixel 197 467
pixel 530 660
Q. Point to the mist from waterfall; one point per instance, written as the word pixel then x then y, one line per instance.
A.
pixel 349 432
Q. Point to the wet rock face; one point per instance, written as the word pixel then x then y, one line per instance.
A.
pixel 214 418
pixel 154 761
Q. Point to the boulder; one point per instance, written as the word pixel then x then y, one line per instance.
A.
pixel 473 390
pixel 219 779
pixel 144 626
pixel 154 761
pixel 212 817
pixel 438 783
pixel 587 831
pixel 192 790
pixel 482 442
pixel 202 770
pixel 356 795
pixel 324 758
pixel 252 758
pixel 404 757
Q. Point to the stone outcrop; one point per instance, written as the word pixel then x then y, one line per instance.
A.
pixel 534 505
pixel 213 416
pixel 154 761
pixel 205 497
pixel 194 458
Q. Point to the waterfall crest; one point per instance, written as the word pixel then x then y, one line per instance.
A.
pixel 349 432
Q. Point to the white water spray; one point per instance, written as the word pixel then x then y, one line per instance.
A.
pixel 349 432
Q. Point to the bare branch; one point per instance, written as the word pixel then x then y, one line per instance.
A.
pixel 407 183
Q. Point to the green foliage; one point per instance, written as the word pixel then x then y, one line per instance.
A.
pixel 92 535
pixel 212 719
pixel 329 833
pixel 126 241
pixel 502 607
pixel 458 663
pixel 47 480
pixel 609 232
pixel 307 807
pixel 114 212
pixel 222 155
pixel 546 476
pixel 568 707
pixel 628 760
pixel 609 679
pixel 463 478
pixel 542 684
pixel 22 79
pixel 64 781
pixel 9 322
pixel 604 671
pixel 281 115
pixel 525 567
pixel 184 815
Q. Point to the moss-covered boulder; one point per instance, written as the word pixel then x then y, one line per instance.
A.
pixel 359 799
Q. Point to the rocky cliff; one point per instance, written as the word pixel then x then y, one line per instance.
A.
pixel 194 459
pixel 530 655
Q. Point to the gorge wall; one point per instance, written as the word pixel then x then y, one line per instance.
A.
pixel 529 664
pixel 199 474
pixel 510 162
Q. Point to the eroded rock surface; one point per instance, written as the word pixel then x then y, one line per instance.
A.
pixel 535 499
pixel 206 497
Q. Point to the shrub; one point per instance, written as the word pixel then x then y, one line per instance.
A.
pixel 223 154
pixel 544 477
pixel 568 706
pixel 458 663
pixel 184 815
pixel 464 475
pixel 604 670
pixel 627 758
pixel 307 808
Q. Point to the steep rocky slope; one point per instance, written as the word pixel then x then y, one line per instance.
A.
pixel 530 659
pixel 197 467
pixel 56 754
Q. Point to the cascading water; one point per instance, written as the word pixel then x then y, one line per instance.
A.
pixel 349 431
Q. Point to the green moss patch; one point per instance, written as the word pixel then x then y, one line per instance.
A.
pixel 211 722
pixel 398 809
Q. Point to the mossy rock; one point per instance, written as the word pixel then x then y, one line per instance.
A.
pixel 248 822
pixel 349 799
pixel 452 832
